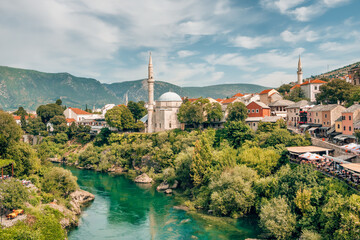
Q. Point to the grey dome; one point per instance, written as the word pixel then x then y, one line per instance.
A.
pixel 170 97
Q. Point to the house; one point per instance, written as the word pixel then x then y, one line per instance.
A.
pixel 278 108
pixel 349 117
pixel 293 112
pixel 238 95
pixel 311 88
pixel 69 121
pixel 253 122
pixel 258 109
pixel 76 114
pixel 269 95
pixel 18 118
pixel 354 75
pixel 230 100
pixel 338 125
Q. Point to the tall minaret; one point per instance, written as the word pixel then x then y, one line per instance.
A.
pixel 151 96
pixel 299 72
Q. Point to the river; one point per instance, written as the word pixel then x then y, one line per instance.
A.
pixel 123 209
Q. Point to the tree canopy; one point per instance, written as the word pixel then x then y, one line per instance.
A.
pixel 193 112
pixel 334 91
pixel 120 117
pixel 137 109
pixel 48 111
pixel 10 132
pixel 237 112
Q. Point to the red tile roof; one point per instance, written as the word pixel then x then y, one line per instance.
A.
pixel 265 91
pixel 229 100
pixel 26 117
pixel 78 111
pixel 314 81
pixel 238 95
pixel 295 86
pixel 192 99
pixel 70 120
pixel 219 100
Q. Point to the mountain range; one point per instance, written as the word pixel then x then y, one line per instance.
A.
pixel 29 89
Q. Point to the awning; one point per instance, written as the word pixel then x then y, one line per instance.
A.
pixel 312 129
pixel 331 130
pixel 342 137
pixel 304 126
pixel 334 133
pixel 338 160
pixel 324 128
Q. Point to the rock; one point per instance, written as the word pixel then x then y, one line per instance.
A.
pixel 114 169
pixel 69 219
pixel 163 186
pixel 210 211
pixel 184 208
pixel 168 191
pixel 175 185
pixel 80 198
pixel 143 178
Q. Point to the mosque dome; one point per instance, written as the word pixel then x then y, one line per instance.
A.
pixel 169 97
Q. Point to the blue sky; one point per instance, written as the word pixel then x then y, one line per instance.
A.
pixel 194 43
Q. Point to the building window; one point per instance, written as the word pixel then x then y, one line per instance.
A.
pixel 316 114
pixel 248 110
pixel 309 119
pixel 349 128
pixel 338 126
pixel 155 125
pixel 169 125
pixel 159 125
pixel 254 124
pixel 344 128
pixel 328 123
pixel 324 123
pixel 349 117
pixel 257 110
pixel 315 87
pixel 325 115
pixel 253 111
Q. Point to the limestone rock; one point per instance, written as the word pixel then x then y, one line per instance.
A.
pixel 163 186
pixel 168 191
pixel 79 198
pixel 143 178
pixel 175 185
pixel 114 169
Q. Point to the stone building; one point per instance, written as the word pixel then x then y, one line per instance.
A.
pixel 293 112
pixel 162 114
pixel 354 74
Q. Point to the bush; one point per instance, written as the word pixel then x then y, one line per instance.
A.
pixel 59 181
pixel 61 138
pixel 13 194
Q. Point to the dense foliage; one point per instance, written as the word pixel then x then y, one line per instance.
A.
pixel 337 90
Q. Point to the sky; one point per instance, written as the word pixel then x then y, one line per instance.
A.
pixel 193 42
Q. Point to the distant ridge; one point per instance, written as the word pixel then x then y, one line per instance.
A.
pixel 30 88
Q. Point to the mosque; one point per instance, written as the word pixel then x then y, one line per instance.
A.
pixel 162 114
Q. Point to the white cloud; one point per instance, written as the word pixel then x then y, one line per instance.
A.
pixel 250 42
pixel 186 53
pixel 273 79
pixel 299 11
pixel 303 35
pixel 231 59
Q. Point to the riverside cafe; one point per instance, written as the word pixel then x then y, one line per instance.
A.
pixel 342 169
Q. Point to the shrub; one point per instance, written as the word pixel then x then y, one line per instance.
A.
pixel 59 181
pixel 13 194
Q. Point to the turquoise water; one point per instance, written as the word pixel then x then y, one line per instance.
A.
pixel 123 209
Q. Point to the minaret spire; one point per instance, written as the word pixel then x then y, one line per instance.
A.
pixel 299 72
pixel 151 96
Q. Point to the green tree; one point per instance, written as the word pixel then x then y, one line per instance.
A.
pixel 193 112
pixel 334 91
pixel 20 112
pixel 237 112
pixel 58 102
pixel 276 217
pixel 283 89
pixel 213 112
pixel 296 95
pixel 23 122
pixel 35 126
pixel 103 137
pixel 59 123
pixel 237 133
pixel 61 138
pixel 10 132
pixel 120 117
pixel 59 181
pixel 202 159
pixel 46 112
pixel 13 194
pixel 232 193
pixel 137 109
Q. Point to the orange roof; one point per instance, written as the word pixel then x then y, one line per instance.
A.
pixel 70 120
pixel 312 82
pixel 19 117
pixel 219 100
pixel 265 91
pixel 79 111
pixel 192 99
pixel 295 86
pixel 238 95
pixel 229 100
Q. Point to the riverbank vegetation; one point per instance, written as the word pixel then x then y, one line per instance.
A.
pixel 45 199
pixel 232 172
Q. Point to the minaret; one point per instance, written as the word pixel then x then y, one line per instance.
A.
pixel 151 96
pixel 299 72
pixel 126 98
